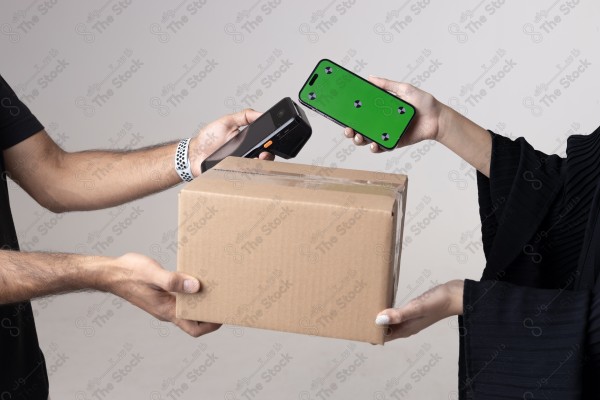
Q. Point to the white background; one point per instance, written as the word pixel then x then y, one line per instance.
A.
pixel 497 62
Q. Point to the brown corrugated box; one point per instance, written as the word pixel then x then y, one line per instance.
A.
pixel 291 247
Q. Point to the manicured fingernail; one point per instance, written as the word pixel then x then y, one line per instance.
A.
pixel 382 320
pixel 357 139
pixel 191 286
pixel 373 147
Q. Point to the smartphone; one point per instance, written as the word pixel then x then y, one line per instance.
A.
pixel 349 100
pixel 282 131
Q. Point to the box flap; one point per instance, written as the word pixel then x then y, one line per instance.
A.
pixel 256 166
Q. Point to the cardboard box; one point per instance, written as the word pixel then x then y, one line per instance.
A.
pixel 291 247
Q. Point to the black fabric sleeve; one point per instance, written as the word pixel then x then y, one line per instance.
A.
pixel 592 372
pixel 515 199
pixel 17 123
pixel 524 343
pixel 517 172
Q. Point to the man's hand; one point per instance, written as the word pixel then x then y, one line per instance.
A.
pixel 145 284
pixel 214 135
pixel 437 303
pixel 134 277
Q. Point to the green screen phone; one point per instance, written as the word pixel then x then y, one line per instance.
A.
pixel 352 101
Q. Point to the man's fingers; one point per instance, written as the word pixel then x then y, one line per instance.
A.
pixel 195 328
pixel 245 117
pixel 265 155
pixel 177 282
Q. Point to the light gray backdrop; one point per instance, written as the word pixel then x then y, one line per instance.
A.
pixel 123 74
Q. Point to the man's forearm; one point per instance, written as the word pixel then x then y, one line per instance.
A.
pixel 25 276
pixel 89 180
pixel 100 179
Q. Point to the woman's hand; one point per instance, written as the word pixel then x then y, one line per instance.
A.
pixel 437 303
pixel 426 122
pixel 436 121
